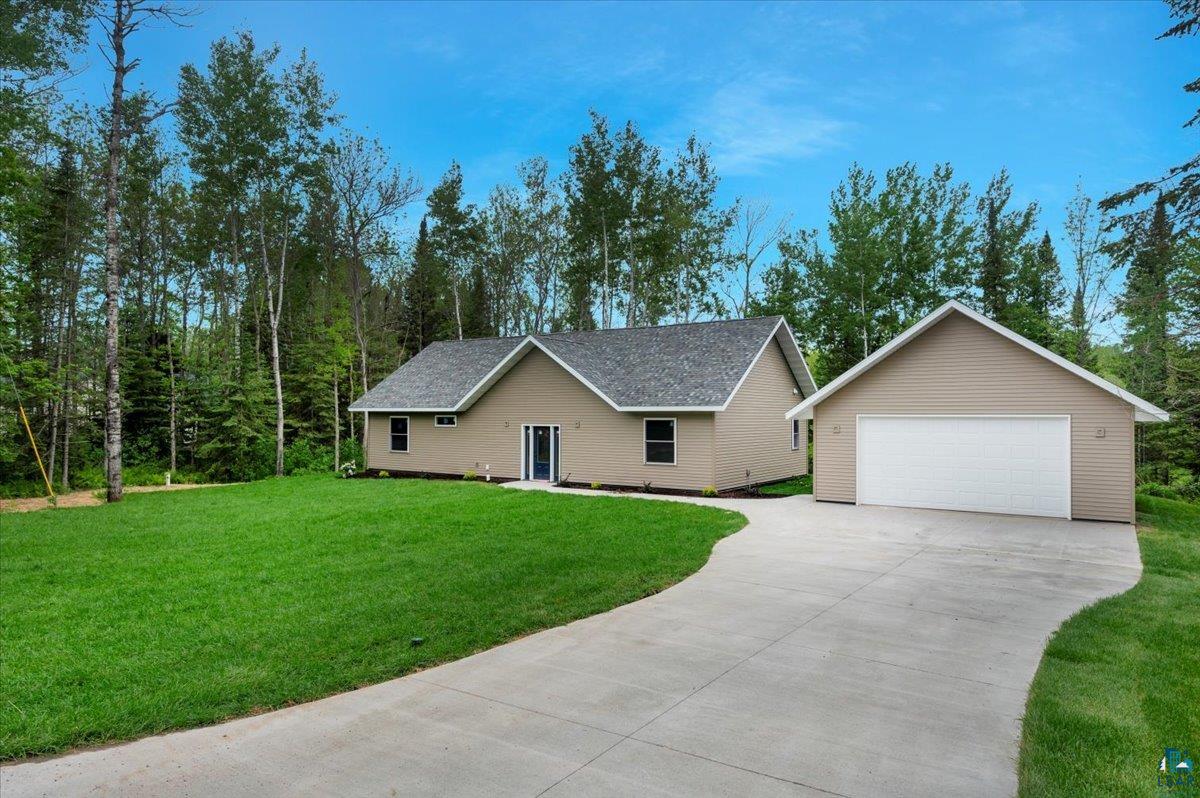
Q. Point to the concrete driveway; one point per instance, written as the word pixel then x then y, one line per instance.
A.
pixel 824 650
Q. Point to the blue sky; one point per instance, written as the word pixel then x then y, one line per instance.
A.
pixel 786 95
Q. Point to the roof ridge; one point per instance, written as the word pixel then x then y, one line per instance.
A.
pixel 661 326
pixel 773 317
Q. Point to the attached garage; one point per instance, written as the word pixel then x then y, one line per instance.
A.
pixel 960 413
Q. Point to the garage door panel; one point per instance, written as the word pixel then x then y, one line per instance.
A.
pixel 1003 464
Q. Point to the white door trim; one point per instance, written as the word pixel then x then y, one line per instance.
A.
pixel 527 452
pixel 858 461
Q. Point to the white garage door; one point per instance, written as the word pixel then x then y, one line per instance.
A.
pixel 993 464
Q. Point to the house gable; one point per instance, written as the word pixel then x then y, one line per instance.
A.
pixel 1145 411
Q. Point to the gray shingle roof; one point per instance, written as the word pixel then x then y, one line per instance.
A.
pixel 439 376
pixel 678 365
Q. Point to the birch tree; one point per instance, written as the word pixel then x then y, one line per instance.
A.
pixel 370 191
pixel 125 19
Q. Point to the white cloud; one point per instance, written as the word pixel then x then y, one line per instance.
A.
pixel 1034 43
pixel 760 121
pixel 438 47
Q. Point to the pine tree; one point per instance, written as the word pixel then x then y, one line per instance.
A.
pixel 423 314
pixel 593 223
pixel 1001 243
pixel 1146 306
pixel 1037 293
pixel 476 312
pixel 454 240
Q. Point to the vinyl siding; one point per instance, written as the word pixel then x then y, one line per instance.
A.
pixel 753 434
pixel 959 366
pixel 598 444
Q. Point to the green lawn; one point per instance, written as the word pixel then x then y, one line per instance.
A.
pixel 1120 681
pixel 793 487
pixel 173 610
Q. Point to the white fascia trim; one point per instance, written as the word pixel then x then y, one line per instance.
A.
pixel 576 374
pixel 671 409
pixel 473 394
pixel 400 410
pixel 527 343
pixel 782 324
pixel 1144 411
pixel 496 372
pixel 791 337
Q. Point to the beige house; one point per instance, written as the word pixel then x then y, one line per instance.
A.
pixel 961 413
pixel 683 407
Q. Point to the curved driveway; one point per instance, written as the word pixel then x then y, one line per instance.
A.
pixel 824 650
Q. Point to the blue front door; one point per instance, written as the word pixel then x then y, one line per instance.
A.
pixel 541 453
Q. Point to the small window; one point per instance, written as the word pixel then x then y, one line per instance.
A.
pixel 445 421
pixel 399 433
pixel 660 441
pixel 795 434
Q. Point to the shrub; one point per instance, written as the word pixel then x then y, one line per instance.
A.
pixel 25 489
pixel 1158 489
pixel 384 474
pixel 596 486
pixel 470 475
pixel 306 456
pixel 92 478
pixel 709 490
pixel 88 478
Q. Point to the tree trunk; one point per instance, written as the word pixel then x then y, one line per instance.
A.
pixel 278 398
pixel 68 397
pixel 862 304
pixel 632 319
pixel 350 377
pixel 56 407
pixel 171 364
pixel 274 310
pixel 457 305
pixel 360 334
pixel 606 299
pixel 337 424
pixel 112 265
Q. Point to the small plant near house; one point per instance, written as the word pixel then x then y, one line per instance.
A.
pixel 384 474
pixel 709 491
pixel 348 469
pixel 647 487
pixel 596 486
pixel 470 475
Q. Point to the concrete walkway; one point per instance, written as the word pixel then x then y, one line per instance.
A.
pixel 824 650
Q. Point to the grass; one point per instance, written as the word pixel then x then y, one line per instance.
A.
pixel 795 486
pixel 1120 681
pixel 175 610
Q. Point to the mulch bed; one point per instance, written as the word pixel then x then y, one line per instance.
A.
pixel 736 493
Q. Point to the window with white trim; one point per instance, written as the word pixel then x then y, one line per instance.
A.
pixel 795 434
pixel 659 439
pixel 399 433
pixel 445 421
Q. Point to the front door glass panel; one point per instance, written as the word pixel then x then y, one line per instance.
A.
pixel 541 453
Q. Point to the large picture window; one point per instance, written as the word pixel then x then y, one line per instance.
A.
pixel 795 434
pixel 660 441
pixel 399 433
